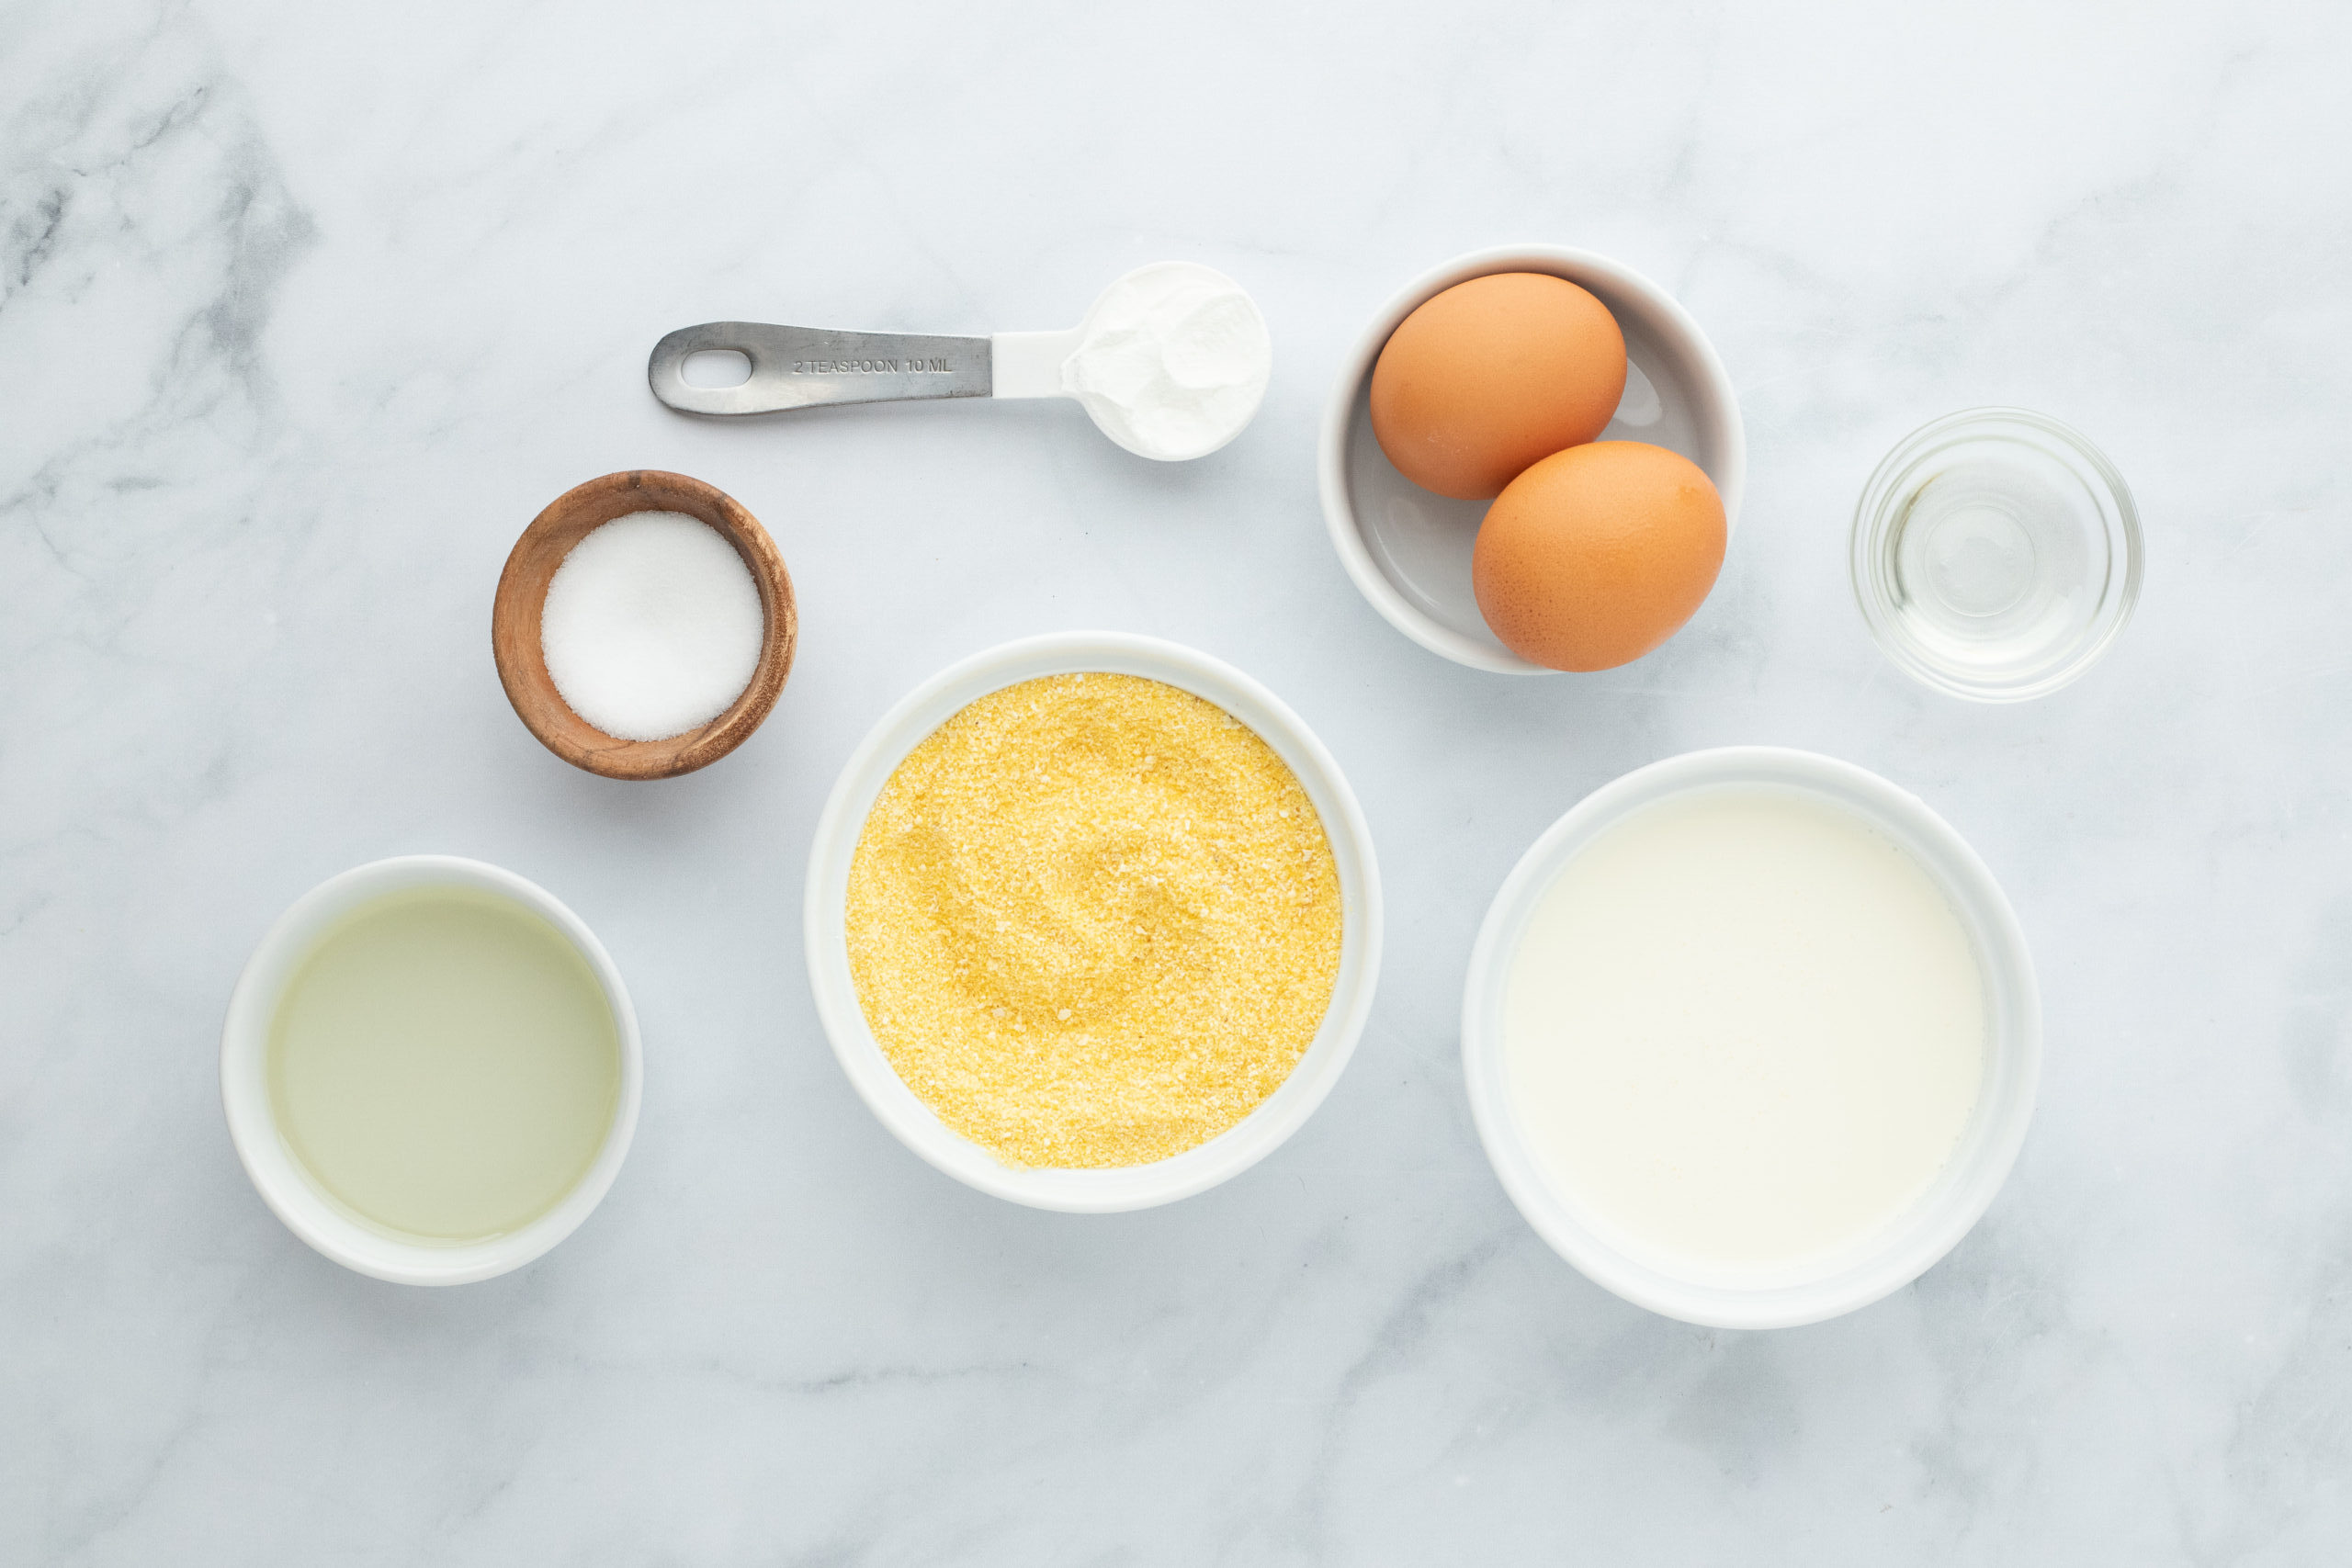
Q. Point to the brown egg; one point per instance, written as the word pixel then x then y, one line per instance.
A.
pixel 1494 375
pixel 1597 554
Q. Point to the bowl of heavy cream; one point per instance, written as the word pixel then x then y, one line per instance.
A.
pixel 431 1069
pixel 1751 1037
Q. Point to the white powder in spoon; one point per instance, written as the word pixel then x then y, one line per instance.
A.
pixel 1174 361
pixel 651 626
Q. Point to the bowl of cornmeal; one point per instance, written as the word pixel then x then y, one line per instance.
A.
pixel 1093 920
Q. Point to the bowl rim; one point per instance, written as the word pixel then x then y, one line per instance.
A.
pixel 1869 539
pixel 278 1174
pixel 1912 1243
pixel 1114 1189
pixel 1718 400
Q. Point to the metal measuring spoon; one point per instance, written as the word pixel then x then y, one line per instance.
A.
pixel 798 367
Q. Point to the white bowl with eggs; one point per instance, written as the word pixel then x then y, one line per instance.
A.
pixel 1103 1190
pixel 293 1194
pixel 1864 1265
pixel 1408 550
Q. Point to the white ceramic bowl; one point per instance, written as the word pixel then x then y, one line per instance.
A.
pixel 1408 550
pixel 1878 1264
pixel 1107 1191
pixel 279 1176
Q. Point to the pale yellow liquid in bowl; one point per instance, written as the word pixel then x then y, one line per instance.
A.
pixel 445 1064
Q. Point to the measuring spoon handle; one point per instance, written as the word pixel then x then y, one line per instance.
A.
pixel 799 368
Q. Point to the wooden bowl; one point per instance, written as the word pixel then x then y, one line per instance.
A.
pixel 523 591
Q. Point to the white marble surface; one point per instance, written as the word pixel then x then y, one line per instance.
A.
pixel 305 311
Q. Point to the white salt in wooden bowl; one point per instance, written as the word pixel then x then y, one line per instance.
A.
pixel 523 591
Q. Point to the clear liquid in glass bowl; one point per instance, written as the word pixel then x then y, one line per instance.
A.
pixel 1995 554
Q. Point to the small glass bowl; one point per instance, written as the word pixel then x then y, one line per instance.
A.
pixel 1995 554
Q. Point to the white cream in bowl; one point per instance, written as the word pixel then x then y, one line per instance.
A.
pixel 1744 1027
pixel 1751 1037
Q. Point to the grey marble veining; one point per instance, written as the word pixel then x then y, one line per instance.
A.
pixel 305 310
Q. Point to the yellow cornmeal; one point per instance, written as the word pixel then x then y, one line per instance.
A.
pixel 1093 921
